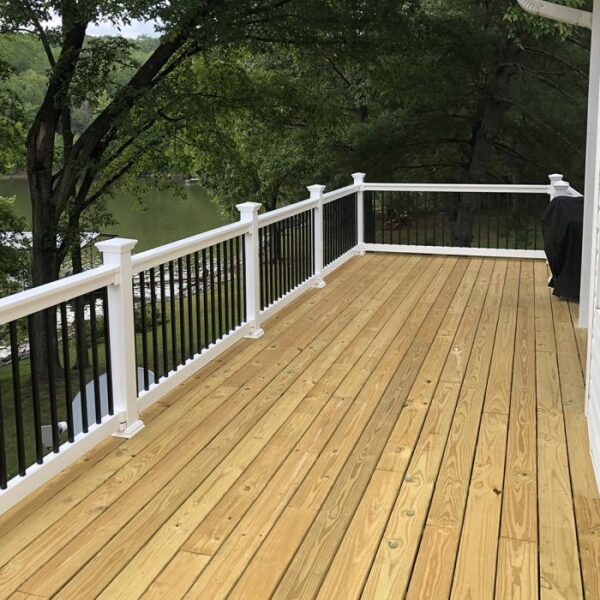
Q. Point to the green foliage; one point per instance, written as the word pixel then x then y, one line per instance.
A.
pixel 15 258
pixel 258 107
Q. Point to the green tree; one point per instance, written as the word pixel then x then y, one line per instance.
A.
pixel 15 254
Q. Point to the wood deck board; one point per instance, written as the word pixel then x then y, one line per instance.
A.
pixel 415 429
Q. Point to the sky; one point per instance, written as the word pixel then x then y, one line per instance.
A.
pixel 133 30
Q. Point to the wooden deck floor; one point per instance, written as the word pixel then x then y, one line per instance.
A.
pixel 414 429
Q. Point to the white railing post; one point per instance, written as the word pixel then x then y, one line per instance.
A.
pixel 249 214
pixel 555 179
pixel 560 187
pixel 316 193
pixel 359 179
pixel 117 253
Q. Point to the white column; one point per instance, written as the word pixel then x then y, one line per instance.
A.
pixel 117 253
pixel 316 193
pixel 592 177
pixel 249 214
pixel 359 179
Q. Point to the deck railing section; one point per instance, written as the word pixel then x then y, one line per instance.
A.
pixel 186 305
pixel 56 383
pixel 175 308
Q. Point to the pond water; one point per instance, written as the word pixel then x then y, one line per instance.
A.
pixel 164 216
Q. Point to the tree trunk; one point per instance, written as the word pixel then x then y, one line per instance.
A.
pixel 44 270
pixel 485 132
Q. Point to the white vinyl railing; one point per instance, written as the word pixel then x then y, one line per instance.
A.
pixel 310 239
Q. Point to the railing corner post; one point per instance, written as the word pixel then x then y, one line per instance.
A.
pixel 316 193
pixel 359 179
pixel 116 252
pixel 249 214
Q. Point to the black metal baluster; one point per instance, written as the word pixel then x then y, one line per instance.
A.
pixel 3 469
pixel 506 225
pixel 144 326
pixel 273 263
pixel 173 316
pixel 262 261
pixel 107 353
pixel 381 213
pixel 306 245
pixel 281 285
pixel 220 292
pixel 163 320
pixel 35 392
pixel 225 289
pixel 190 303
pixel 479 220
pixel 526 234
pixel 181 288
pixel 17 400
pixel 435 216
pixel 516 228
pixel 50 331
pixel 205 300
pixel 497 221
pixel 154 322
pixel 489 224
pixel 444 220
pixel 231 273
pixel 535 233
pixel 288 263
pixel 244 279
pixel 294 250
pixel 425 216
pixel 82 355
pixel 213 329
pixel 240 291
pixel 198 311
pixel 64 328
pixel 417 215
pixel 324 233
pixel 95 363
pixel 266 233
pixel 288 274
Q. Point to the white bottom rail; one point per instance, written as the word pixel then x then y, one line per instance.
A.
pixel 37 475
pixel 452 251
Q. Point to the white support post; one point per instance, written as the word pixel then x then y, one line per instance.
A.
pixel 117 253
pixel 316 193
pixel 249 214
pixel 592 178
pixel 359 179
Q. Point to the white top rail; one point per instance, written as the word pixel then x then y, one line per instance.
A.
pixel 340 193
pixel 457 187
pixel 45 296
pixel 158 256
pixel 285 212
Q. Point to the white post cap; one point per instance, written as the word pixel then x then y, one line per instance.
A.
pixel 249 207
pixel 359 177
pixel 555 178
pixel 116 245
pixel 316 191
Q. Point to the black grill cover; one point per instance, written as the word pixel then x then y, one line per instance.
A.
pixel 563 234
